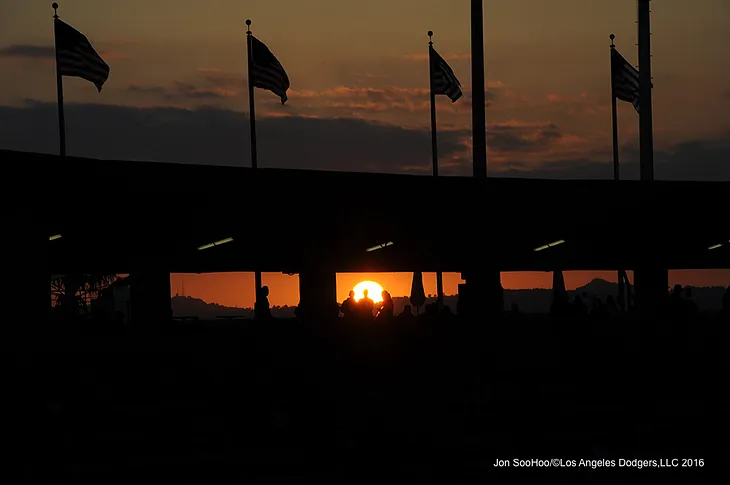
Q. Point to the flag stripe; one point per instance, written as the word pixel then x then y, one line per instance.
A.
pixel 266 70
pixel 443 79
pixel 76 56
pixel 625 80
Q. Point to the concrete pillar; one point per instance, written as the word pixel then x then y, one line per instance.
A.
pixel 31 280
pixel 651 286
pixel 26 269
pixel 481 294
pixel 317 293
pixel 559 290
pixel 150 298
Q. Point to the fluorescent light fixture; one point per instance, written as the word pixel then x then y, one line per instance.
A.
pixel 552 244
pixel 379 246
pixel 54 237
pixel 714 247
pixel 217 243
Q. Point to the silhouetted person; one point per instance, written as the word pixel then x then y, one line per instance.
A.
pixel 365 305
pixel 579 307
pixel 677 307
pixel 349 306
pixel 261 308
pixel 611 306
pixel 386 307
pixel 560 306
pixel 432 309
pixel 446 311
pixel 598 310
pixel 406 314
pixel 678 312
pixel 692 310
pixel 725 311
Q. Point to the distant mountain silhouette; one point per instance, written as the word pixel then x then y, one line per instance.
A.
pixel 536 300
pixel 186 306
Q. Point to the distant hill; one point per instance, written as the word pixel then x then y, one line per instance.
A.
pixel 187 306
pixel 535 300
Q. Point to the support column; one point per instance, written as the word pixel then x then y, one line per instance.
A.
pixel 652 291
pixel 150 298
pixel 27 270
pixel 481 295
pixel 317 293
pixel 559 291
pixel 560 304
pixel 33 285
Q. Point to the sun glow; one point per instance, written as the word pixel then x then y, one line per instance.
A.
pixel 374 291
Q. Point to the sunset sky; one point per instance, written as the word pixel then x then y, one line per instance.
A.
pixel 177 92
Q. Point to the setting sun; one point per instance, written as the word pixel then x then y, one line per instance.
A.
pixel 374 291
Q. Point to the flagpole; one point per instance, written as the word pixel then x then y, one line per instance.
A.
pixel 646 135
pixel 252 124
pixel 251 109
pixel 434 142
pixel 614 119
pixel 435 156
pixel 478 110
pixel 614 116
pixel 59 88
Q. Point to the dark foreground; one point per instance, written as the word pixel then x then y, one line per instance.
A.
pixel 421 402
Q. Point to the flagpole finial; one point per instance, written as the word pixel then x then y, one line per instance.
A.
pixel 55 10
pixel 430 34
pixel 248 24
pixel 612 37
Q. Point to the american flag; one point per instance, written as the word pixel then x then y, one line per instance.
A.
pixel 443 79
pixel 266 70
pixel 76 57
pixel 625 79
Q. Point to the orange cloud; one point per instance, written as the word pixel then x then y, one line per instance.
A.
pixel 284 114
pixel 564 98
pixel 180 89
pixel 423 56
pixel 193 91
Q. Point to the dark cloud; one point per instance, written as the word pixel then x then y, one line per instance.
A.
pixel 220 137
pixel 192 91
pixel 135 88
pixel 183 90
pixel 205 85
pixel 29 51
pixel 700 160
pixel 513 137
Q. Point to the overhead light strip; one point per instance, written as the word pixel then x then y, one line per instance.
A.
pixel 379 246
pixel 214 244
pixel 552 244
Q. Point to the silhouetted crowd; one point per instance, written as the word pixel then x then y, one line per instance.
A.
pixel 680 306
pixel 365 307
pixel 260 397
